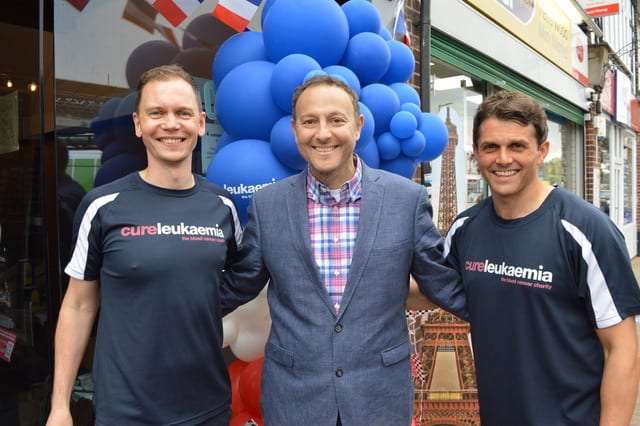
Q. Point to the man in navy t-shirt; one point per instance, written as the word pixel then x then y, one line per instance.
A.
pixel 550 290
pixel 149 249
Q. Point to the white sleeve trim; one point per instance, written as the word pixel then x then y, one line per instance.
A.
pixel 602 302
pixel 236 221
pixel 447 242
pixel 78 263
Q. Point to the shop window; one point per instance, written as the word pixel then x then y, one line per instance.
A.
pixel 561 166
pixel 456 181
pixel 628 179
pixel 605 174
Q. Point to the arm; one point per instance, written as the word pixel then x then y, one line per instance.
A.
pixel 621 372
pixel 435 277
pixel 245 274
pixel 77 315
pixel 416 300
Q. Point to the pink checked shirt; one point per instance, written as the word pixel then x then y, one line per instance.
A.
pixel 333 227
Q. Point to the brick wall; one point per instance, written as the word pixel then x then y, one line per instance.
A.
pixel 591 156
pixel 412 14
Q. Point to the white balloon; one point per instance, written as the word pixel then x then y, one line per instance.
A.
pixel 229 330
pixel 249 345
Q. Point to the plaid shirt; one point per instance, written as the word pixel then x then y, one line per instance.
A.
pixel 333 226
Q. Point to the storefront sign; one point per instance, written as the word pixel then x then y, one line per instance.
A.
pixel 595 8
pixel 608 96
pixel 635 115
pixel 624 95
pixel 544 26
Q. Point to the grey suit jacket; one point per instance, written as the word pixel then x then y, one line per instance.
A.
pixel 355 362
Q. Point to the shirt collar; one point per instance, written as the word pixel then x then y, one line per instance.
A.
pixel 350 192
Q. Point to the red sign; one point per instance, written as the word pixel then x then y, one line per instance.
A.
pixel 635 115
pixel 600 8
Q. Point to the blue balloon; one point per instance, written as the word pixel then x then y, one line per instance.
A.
pixel 315 28
pixel 119 166
pixel 348 75
pixel 368 56
pixel 102 124
pixel 413 109
pixel 288 74
pixel 314 73
pixel 283 144
pixel 362 16
pixel 244 167
pixel 148 55
pixel 388 146
pixel 223 141
pixel 240 48
pixel 403 124
pixel 244 104
pixel 265 11
pixel 414 145
pixel 401 165
pixel 385 34
pixel 436 135
pixel 369 153
pixel 406 93
pixel 368 128
pixel 124 130
pixel 402 63
pixel 383 103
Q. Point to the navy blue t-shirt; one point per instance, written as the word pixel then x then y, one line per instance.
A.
pixel 537 288
pixel 157 255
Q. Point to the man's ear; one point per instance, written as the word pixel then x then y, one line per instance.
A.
pixel 136 124
pixel 543 150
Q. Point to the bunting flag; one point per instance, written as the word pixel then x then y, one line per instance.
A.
pixel 140 13
pixel 400 25
pixel 236 13
pixel 78 4
pixel 175 11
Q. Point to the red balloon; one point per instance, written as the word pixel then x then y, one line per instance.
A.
pixel 240 419
pixel 235 370
pixel 250 386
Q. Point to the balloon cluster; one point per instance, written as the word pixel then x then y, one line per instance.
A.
pixel 256 74
pixel 245 332
pixel 122 151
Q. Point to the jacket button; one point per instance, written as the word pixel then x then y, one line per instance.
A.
pixel 338 328
pixel 339 372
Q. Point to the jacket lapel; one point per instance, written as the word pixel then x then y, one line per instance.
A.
pixel 296 200
pixel 370 210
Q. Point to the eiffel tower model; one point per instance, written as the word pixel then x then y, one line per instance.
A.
pixel 445 388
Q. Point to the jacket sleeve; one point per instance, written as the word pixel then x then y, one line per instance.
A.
pixel 436 278
pixel 245 274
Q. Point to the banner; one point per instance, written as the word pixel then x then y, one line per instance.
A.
pixel 545 27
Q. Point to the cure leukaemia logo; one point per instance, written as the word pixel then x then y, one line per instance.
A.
pixel 509 274
pixel 186 232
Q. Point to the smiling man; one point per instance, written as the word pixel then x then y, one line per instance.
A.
pixel 338 242
pixel 550 291
pixel 149 249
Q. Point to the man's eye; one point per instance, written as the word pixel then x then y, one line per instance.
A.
pixel 155 114
pixel 185 114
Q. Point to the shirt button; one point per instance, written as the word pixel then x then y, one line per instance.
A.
pixel 338 328
pixel 336 273
pixel 336 239
pixel 339 372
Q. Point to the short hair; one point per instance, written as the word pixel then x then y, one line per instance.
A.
pixel 325 80
pixel 511 106
pixel 166 73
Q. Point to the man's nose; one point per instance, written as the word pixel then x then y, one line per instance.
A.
pixel 171 121
pixel 324 131
pixel 504 156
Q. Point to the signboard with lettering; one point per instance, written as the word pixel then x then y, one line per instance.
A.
pixel 545 27
pixel 596 8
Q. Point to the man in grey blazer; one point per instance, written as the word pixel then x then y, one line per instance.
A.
pixel 338 242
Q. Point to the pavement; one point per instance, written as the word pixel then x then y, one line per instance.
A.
pixel 635 263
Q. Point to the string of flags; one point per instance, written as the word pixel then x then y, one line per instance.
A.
pixel 234 13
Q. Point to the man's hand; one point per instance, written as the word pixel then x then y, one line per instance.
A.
pixel 60 417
